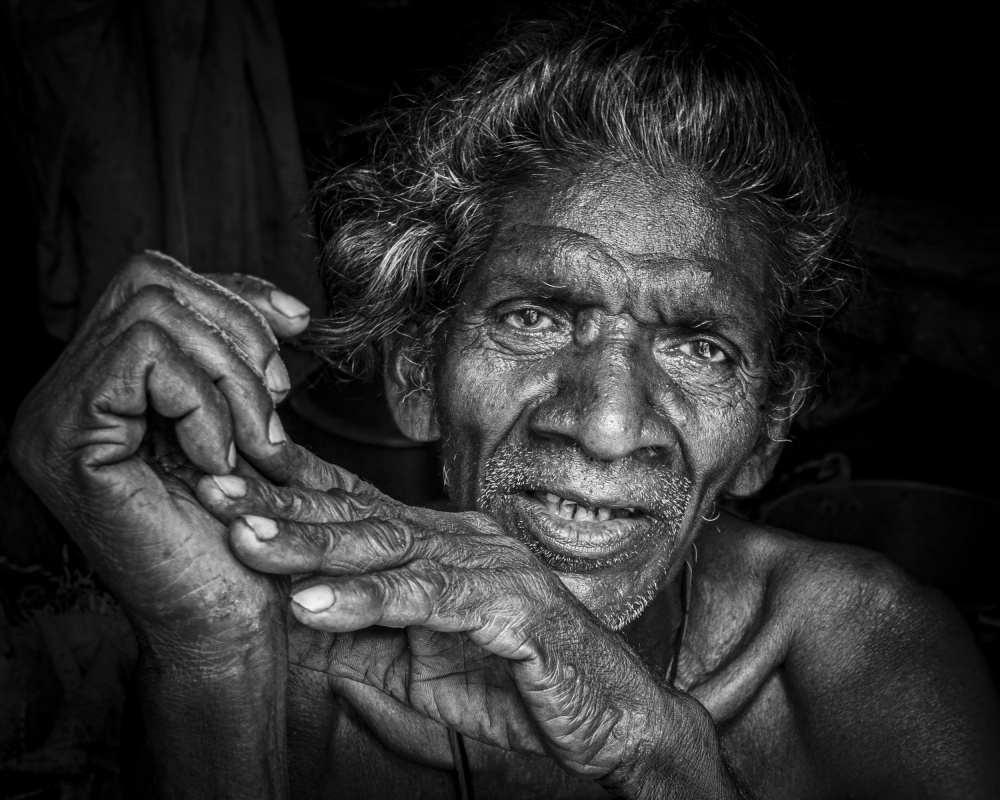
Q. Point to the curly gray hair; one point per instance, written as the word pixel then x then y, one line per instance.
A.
pixel 684 87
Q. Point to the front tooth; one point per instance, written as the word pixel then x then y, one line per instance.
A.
pixel 603 514
pixel 552 498
pixel 566 509
pixel 583 514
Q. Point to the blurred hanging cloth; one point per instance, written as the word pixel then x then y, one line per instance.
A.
pixel 163 124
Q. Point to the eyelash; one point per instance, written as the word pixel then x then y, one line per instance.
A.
pixel 712 359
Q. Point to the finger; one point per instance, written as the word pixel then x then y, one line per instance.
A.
pixel 145 356
pixel 237 496
pixel 288 316
pixel 425 594
pixel 258 432
pixel 311 472
pixel 397 598
pixel 293 548
pixel 235 320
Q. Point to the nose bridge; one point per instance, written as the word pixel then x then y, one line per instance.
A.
pixel 608 409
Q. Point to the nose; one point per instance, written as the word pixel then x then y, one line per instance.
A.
pixel 609 404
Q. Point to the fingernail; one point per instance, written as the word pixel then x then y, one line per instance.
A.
pixel 265 528
pixel 288 305
pixel 315 598
pixel 276 375
pixel 275 430
pixel 231 455
pixel 230 485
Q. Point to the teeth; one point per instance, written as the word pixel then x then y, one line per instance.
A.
pixel 568 509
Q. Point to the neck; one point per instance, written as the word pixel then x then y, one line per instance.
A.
pixel 654 635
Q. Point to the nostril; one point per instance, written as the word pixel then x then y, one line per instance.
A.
pixel 651 453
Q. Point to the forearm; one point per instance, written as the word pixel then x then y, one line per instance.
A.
pixel 214 718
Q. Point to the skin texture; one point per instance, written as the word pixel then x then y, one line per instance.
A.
pixel 612 349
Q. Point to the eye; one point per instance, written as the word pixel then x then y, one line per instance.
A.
pixel 704 350
pixel 528 319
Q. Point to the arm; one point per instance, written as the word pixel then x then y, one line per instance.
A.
pixel 214 720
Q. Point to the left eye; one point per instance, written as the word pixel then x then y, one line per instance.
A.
pixel 703 350
pixel 528 319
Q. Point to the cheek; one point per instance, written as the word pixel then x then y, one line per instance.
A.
pixel 725 431
pixel 483 396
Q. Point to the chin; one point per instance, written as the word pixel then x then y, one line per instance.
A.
pixel 613 556
pixel 614 603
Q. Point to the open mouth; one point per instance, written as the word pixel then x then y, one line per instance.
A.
pixel 579 511
pixel 581 534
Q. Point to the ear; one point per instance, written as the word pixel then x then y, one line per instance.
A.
pixel 759 467
pixel 409 387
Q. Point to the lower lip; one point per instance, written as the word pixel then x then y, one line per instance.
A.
pixel 587 540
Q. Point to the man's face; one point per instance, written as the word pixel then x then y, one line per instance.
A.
pixel 603 378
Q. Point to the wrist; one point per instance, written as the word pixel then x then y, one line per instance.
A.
pixel 239 641
pixel 673 752
pixel 214 715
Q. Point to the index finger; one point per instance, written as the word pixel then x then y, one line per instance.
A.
pixel 241 325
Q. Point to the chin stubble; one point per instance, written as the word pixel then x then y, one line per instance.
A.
pixel 662 494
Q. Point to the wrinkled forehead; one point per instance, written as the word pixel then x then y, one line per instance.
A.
pixel 636 240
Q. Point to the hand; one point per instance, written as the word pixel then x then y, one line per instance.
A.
pixel 171 376
pixel 453 619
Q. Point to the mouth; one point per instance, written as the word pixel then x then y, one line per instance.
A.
pixel 580 511
pixel 581 534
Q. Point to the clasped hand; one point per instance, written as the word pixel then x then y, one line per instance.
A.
pixel 442 612
pixel 445 614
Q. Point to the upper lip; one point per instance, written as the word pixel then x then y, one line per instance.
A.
pixel 593 500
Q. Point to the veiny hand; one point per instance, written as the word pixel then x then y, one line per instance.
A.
pixel 171 376
pixel 451 618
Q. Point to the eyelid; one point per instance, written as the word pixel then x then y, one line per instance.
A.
pixel 552 310
pixel 689 335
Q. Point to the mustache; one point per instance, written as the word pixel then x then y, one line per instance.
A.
pixel 655 489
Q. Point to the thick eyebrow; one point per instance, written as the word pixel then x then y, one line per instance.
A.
pixel 561 246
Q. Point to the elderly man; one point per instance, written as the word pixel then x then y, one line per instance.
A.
pixel 593 272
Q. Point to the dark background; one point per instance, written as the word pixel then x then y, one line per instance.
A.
pixel 904 98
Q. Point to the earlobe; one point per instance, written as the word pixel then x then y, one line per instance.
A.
pixel 409 389
pixel 757 469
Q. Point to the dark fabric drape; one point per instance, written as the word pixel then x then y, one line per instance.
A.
pixel 163 124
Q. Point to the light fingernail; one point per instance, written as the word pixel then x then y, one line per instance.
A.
pixel 266 529
pixel 276 375
pixel 275 430
pixel 288 305
pixel 231 485
pixel 231 455
pixel 315 598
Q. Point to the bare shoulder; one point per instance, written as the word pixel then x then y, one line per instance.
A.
pixel 879 673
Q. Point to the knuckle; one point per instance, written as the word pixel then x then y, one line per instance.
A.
pixel 143 338
pixel 323 540
pixel 152 296
pixel 390 540
pixel 431 577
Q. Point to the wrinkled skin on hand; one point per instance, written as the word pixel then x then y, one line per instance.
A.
pixel 453 619
pixel 171 376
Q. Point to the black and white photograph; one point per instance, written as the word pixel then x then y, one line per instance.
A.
pixel 500 400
